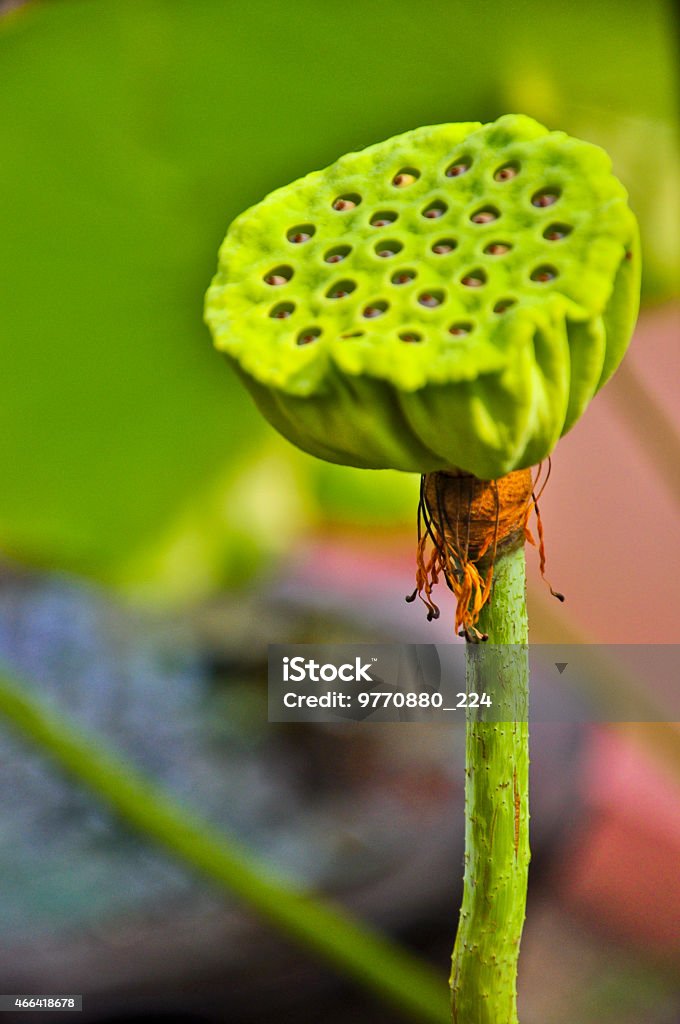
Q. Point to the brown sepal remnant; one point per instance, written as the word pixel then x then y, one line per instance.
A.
pixel 463 524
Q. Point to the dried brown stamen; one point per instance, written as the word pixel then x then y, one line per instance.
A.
pixel 463 525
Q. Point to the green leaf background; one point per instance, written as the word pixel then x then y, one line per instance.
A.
pixel 132 133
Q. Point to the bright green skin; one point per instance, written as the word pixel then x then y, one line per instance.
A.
pixel 487 402
pixel 484 963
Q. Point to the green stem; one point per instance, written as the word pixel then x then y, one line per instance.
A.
pixel 323 928
pixel 484 963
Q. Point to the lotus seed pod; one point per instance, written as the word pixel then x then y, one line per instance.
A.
pixel 451 298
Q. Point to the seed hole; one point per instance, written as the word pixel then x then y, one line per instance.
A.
pixel 309 335
pixel 461 328
pixel 405 177
pixel 506 172
pixel 498 248
pixel 387 249
pixel 278 276
pixel 435 210
pixel 410 336
pixel 475 279
pixel 346 202
pixel 301 233
pixel 431 299
pixel 375 309
pixel 353 334
pixel 444 246
pixel 403 276
pixel 458 167
pixel 554 232
pixel 629 255
pixel 485 216
pixel 338 254
pixel 546 197
pixel 544 274
pixel 382 219
pixel 503 304
pixel 282 311
pixel 340 289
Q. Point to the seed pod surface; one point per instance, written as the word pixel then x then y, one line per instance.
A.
pixel 376 268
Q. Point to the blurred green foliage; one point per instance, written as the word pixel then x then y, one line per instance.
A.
pixel 133 131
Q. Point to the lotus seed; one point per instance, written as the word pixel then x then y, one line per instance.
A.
pixel 444 246
pixel 498 248
pixel 484 216
pixel 308 335
pixel 507 172
pixel 504 304
pixel 341 290
pixel 404 178
pixel 282 311
pixel 381 220
pixel 373 311
pixel 276 280
pixel 460 329
pixel 544 199
pixel 474 280
pixel 403 277
pixel 455 170
pixel 556 231
pixel 301 234
pixel 410 336
pixel 337 255
pixel 543 274
pixel 343 203
pixel 431 299
pixel 387 249
pixel 434 211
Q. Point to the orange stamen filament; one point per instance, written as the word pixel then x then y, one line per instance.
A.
pixel 447 504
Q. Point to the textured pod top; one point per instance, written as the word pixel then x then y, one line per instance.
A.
pixel 450 298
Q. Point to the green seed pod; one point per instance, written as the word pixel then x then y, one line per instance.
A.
pixel 450 298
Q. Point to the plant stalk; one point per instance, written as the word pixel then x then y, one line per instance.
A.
pixel 317 924
pixel 484 963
